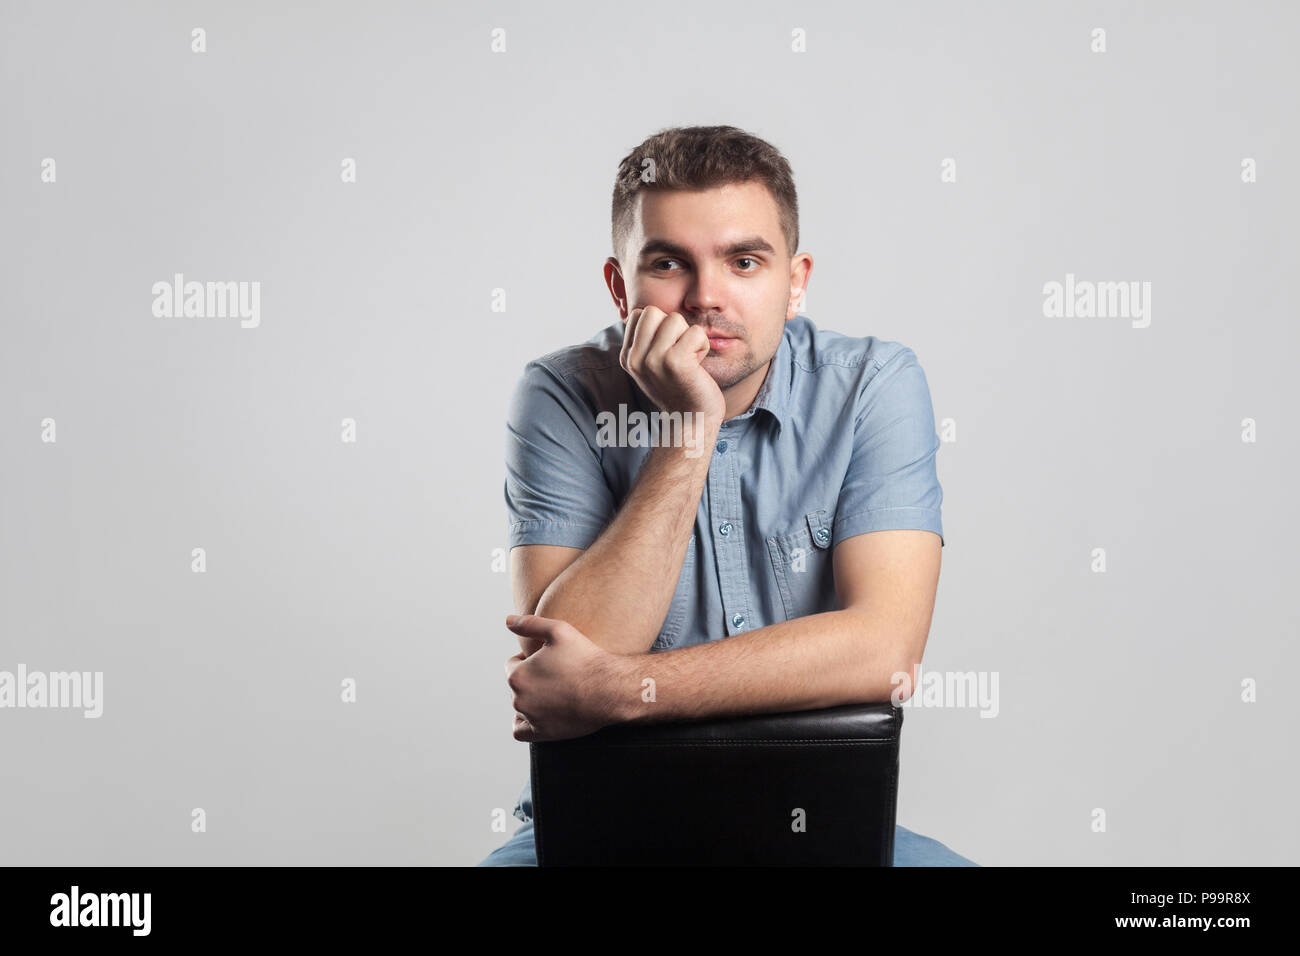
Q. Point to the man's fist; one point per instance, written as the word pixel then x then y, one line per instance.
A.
pixel 662 353
pixel 568 688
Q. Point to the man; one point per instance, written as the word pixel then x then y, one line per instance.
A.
pixel 712 492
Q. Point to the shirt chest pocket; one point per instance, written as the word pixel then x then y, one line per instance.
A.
pixel 679 607
pixel 801 564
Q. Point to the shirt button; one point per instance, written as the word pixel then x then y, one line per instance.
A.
pixel 823 535
pixel 724 528
pixel 722 448
pixel 737 620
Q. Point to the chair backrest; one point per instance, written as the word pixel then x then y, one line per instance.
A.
pixel 816 787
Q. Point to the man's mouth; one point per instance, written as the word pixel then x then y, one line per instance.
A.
pixel 720 341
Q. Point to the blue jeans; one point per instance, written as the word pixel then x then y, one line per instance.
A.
pixel 910 849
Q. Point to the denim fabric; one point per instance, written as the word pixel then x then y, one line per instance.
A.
pixel 839 441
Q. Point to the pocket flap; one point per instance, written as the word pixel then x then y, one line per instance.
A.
pixel 819 526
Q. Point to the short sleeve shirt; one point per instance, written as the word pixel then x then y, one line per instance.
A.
pixel 839 441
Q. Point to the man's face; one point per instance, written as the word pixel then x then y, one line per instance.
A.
pixel 717 256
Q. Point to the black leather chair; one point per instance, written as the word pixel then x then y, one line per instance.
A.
pixel 723 792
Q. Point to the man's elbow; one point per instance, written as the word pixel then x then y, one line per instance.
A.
pixel 901 673
pixel 902 680
pixel 624 637
pixel 896 680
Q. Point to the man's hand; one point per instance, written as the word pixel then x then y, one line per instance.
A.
pixel 662 353
pixel 569 687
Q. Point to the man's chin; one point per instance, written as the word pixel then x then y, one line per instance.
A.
pixel 725 372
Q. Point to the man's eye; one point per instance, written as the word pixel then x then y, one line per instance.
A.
pixel 662 264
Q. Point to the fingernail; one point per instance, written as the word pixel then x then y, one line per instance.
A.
pixel 510 619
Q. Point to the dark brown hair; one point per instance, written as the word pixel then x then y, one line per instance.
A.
pixel 702 157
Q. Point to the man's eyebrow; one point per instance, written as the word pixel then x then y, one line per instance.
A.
pixel 667 246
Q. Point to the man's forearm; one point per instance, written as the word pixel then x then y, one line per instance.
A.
pixel 618 591
pixel 822 660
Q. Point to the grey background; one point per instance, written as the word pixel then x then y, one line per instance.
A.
pixel 479 171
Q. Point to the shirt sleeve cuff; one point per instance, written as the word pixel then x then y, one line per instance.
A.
pixel 570 534
pixel 889 519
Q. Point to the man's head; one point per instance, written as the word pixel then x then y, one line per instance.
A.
pixel 706 223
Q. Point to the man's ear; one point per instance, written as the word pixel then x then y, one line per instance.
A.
pixel 800 271
pixel 613 273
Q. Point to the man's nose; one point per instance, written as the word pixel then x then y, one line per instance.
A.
pixel 706 293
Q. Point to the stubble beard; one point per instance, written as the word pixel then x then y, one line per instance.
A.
pixel 737 368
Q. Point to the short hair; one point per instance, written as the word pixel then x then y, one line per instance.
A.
pixel 702 157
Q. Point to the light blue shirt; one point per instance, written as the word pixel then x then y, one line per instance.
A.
pixel 839 441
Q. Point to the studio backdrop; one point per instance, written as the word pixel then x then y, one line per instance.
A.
pixel 267 531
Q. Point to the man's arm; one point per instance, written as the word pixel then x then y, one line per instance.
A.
pixel 618 590
pixel 886 582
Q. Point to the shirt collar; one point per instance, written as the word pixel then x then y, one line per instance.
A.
pixel 774 394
